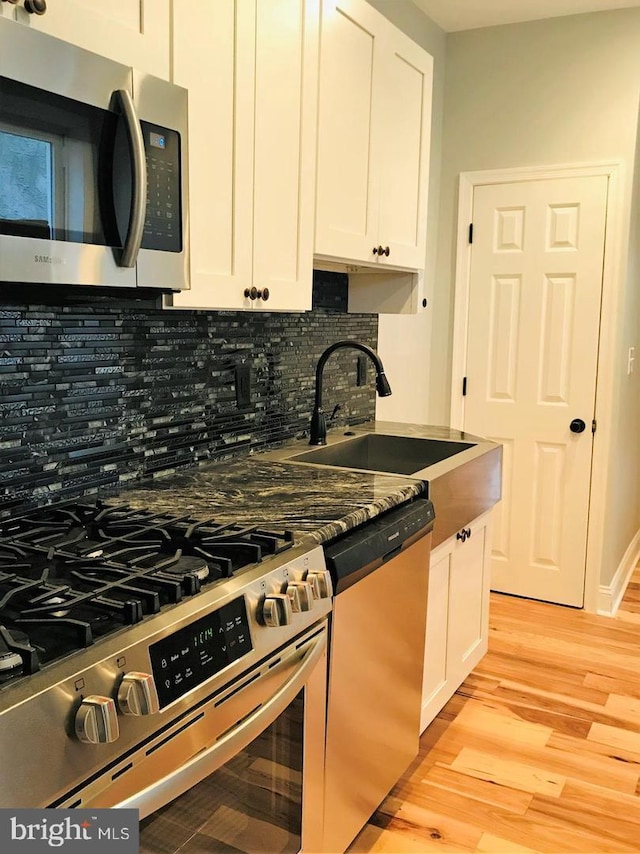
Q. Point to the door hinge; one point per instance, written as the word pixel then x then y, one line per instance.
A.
pixel 470 232
pixel 464 386
pixel 594 424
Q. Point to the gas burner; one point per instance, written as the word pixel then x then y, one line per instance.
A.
pixel 74 573
pixel 9 658
pixel 17 656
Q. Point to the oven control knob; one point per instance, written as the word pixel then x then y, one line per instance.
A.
pixel 137 694
pixel 301 595
pixel 97 720
pixel 276 610
pixel 320 581
pixel 293 593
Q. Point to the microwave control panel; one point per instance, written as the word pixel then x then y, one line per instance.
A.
pixel 163 223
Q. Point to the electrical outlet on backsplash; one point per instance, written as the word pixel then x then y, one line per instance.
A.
pixel 100 390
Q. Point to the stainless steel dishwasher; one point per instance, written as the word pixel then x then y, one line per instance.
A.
pixel 380 574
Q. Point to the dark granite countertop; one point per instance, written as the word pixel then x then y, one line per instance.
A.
pixel 316 504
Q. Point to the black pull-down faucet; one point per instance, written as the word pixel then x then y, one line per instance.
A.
pixel 318 429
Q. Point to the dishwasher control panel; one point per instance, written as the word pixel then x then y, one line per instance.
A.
pixel 360 551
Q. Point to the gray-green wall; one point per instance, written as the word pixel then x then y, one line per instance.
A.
pixel 559 91
pixel 552 92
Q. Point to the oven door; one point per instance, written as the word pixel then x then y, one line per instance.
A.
pixel 242 771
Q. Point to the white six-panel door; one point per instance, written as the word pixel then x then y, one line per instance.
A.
pixel 534 314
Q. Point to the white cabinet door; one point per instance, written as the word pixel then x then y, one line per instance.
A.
pixel 134 32
pixel 373 139
pixel 251 71
pixel 457 614
pixel 286 83
pixel 206 62
pixel 405 132
pixel 347 202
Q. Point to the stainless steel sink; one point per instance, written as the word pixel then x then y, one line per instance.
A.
pixel 463 477
pixel 379 452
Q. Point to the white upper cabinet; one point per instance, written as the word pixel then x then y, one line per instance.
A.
pixel 373 140
pixel 251 68
pixel 134 32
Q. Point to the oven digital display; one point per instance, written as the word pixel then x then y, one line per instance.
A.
pixel 192 655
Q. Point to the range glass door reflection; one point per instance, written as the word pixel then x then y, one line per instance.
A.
pixel 252 804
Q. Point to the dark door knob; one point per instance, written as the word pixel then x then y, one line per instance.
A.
pixel 35 7
pixel 577 425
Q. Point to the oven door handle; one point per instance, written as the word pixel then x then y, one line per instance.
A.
pixel 159 794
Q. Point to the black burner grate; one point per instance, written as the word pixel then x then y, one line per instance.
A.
pixel 74 573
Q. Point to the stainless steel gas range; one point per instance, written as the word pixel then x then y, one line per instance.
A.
pixel 166 663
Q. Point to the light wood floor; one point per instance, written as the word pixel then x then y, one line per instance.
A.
pixel 539 750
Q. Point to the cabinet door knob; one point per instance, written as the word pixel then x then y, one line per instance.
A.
pixel 265 294
pixel 35 7
pixel 252 293
pixel 375 249
pixel 386 251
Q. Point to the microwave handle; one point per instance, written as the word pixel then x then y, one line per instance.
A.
pixel 177 782
pixel 133 240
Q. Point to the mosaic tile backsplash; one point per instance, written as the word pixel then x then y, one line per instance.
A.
pixel 97 389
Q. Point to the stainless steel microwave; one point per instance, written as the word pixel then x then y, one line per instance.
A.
pixel 93 168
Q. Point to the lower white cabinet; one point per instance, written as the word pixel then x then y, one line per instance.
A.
pixel 457 613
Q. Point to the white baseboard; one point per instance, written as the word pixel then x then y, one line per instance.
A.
pixel 610 595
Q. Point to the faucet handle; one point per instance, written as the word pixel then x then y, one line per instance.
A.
pixel 318 429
